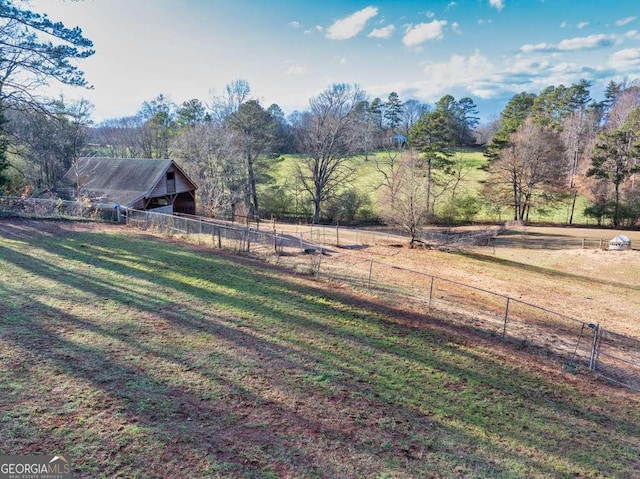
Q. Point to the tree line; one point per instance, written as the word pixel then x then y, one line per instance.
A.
pixel 551 147
pixel 544 150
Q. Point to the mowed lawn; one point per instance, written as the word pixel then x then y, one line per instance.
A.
pixel 135 356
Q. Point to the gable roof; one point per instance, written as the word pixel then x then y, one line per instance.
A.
pixel 121 180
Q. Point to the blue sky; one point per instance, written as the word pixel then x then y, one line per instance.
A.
pixel 290 50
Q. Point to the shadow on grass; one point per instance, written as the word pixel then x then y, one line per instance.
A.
pixel 544 271
pixel 248 373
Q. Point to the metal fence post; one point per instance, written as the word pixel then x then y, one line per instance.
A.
pixel 594 347
pixel 506 317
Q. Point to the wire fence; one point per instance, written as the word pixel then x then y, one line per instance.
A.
pixel 529 241
pixel 577 344
pixel 41 208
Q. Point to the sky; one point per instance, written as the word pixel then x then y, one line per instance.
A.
pixel 291 50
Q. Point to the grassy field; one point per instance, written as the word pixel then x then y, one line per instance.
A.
pixel 139 357
pixel 367 181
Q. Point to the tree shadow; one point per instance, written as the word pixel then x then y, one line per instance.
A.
pixel 263 333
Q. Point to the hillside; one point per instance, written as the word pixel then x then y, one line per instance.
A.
pixel 137 356
pixel 367 180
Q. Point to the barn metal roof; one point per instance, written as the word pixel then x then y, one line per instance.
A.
pixel 118 180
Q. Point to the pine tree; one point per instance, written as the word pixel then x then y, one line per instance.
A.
pixel 34 50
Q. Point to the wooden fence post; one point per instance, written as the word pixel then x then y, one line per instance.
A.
pixel 430 294
pixel 506 317
pixel 370 272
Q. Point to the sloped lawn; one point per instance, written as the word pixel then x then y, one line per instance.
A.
pixel 140 357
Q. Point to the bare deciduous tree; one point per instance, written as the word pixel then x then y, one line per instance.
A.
pixel 327 135
pixel 404 202
pixel 578 133
pixel 121 137
pixel 529 166
pixel 209 155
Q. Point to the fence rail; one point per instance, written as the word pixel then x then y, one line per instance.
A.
pixel 41 208
pixel 578 344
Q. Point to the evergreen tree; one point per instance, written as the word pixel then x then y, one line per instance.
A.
pixel 514 114
pixel 611 94
pixel 617 157
pixel 393 111
pixel 431 136
pixel 467 121
pixel 33 50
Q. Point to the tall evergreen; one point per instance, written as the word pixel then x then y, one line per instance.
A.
pixel 34 49
pixel 512 117
pixel 393 111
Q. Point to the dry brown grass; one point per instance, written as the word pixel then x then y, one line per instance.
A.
pixel 140 356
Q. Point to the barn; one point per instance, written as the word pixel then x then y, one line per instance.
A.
pixel 144 184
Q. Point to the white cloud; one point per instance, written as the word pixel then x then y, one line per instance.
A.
pixel 586 43
pixel 482 21
pixel 317 28
pixel 296 70
pixel 623 21
pixel 349 27
pixel 591 42
pixel 455 26
pixel 564 25
pixel 420 33
pixel 469 72
pixel 537 47
pixel 499 4
pixel 477 76
pixel 581 25
pixel 451 5
pixel 384 32
pixel 342 61
pixel 633 34
pixel 626 60
pixel 429 14
pixel 295 24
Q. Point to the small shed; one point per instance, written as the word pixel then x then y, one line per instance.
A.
pixel 620 242
pixel 138 183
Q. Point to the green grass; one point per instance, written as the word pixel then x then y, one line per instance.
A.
pixel 137 357
pixel 367 181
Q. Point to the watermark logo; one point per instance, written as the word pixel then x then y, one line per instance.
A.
pixel 35 467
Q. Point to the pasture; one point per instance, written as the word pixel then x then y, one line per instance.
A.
pixel 367 180
pixel 137 356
